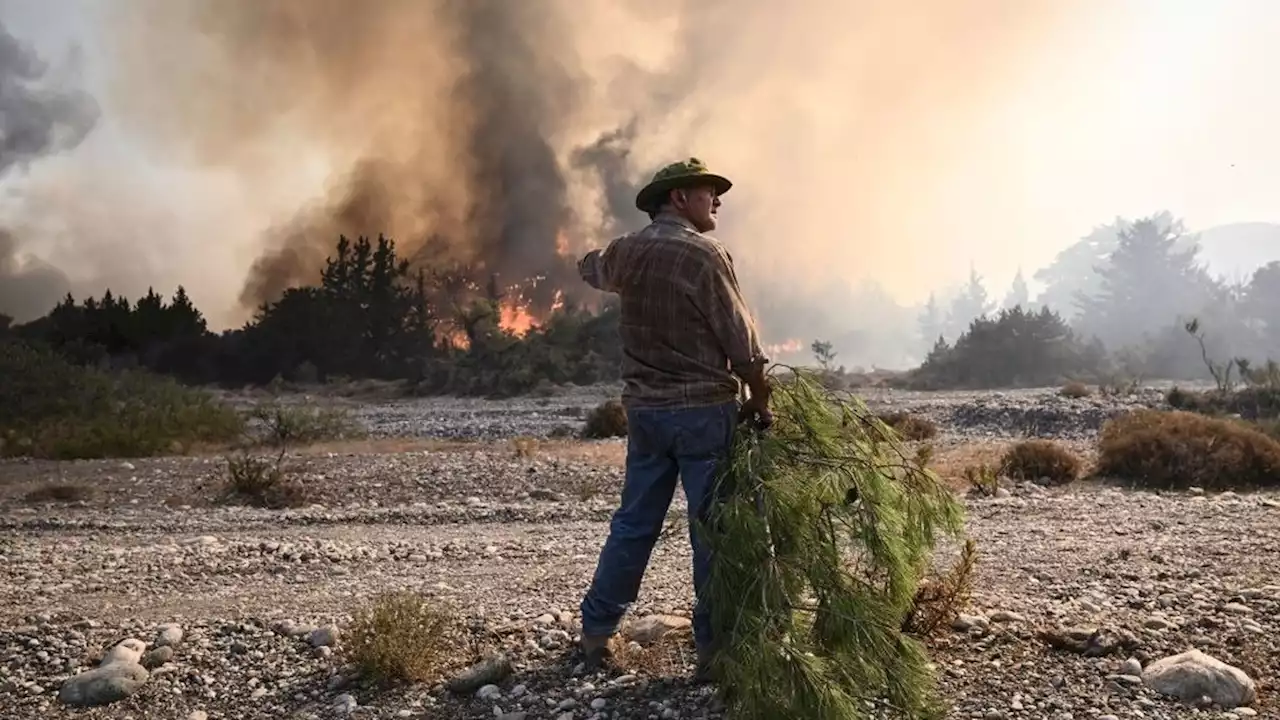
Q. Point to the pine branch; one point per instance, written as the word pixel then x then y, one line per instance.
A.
pixel 824 530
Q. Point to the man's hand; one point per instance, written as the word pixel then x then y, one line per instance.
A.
pixel 756 411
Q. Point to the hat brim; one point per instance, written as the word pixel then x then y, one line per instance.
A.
pixel 651 195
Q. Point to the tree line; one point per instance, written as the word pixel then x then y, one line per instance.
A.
pixel 371 316
pixel 1116 303
pixel 1131 299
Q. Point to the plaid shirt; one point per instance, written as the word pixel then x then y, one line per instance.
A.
pixel 686 331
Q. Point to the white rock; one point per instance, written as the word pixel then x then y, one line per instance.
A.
pixel 1191 675
pixel 116 678
pixel 323 636
pixel 648 629
pixel 169 634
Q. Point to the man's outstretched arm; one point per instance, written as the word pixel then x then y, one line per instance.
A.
pixel 594 269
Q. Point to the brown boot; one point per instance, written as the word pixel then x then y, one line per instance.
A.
pixel 595 651
pixel 703 675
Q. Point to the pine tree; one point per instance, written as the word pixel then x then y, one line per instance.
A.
pixel 1146 284
pixel 969 305
pixel 931 322
pixel 1019 295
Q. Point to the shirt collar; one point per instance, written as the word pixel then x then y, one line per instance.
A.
pixel 670 218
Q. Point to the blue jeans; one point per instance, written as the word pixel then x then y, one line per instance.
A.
pixel 661 444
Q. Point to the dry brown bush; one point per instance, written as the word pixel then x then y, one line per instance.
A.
pixel 263 482
pixel 1041 461
pixel 1075 390
pixel 403 636
pixel 1178 449
pixel 669 655
pixel 940 599
pixel 609 419
pixel 910 427
pixel 982 480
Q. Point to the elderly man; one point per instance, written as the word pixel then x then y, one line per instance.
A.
pixel 688 345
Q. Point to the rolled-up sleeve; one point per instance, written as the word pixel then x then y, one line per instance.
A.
pixel 721 302
pixel 594 269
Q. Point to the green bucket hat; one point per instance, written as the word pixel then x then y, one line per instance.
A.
pixel 685 173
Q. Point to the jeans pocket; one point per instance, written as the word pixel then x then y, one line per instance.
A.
pixel 705 432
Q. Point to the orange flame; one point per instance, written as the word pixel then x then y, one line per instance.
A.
pixel 784 348
pixel 516 319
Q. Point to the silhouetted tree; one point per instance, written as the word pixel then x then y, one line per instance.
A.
pixel 1019 295
pixel 970 304
pixel 931 322
pixel 1147 284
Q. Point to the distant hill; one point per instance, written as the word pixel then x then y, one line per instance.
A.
pixel 1234 251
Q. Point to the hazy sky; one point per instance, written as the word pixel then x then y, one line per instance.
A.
pixel 890 154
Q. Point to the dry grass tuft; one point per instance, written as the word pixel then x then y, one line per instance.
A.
pixel 261 482
pixel 524 447
pixel 669 655
pixel 1177 449
pixel 982 480
pixel 910 427
pixel 403 636
pixel 609 419
pixel 1075 390
pixel 1041 461
pixel 59 492
pixel 939 600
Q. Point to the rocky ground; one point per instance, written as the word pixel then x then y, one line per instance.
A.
pixel 1080 591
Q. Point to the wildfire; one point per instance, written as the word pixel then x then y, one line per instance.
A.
pixel 784 348
pixel 516 319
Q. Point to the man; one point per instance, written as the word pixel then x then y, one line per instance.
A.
pixel 688 344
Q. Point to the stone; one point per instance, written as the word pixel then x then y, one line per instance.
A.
pixel 157 657
pixel 1192 675
pixel 118 676
pixel 648 629
pixel 168 635
pixel 964 623
pixel 1005 616
pixel 1131 667
pixel 489 671
pixel 323 636
pixel 124 651
pixel 345 704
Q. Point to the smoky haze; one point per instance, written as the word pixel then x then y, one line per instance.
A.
pixel 38 118
pixel 499 134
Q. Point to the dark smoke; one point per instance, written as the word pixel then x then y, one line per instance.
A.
pixel 514 92
pixel 36 120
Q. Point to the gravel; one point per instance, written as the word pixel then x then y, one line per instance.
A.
pixel 241 611
pixel 1036 412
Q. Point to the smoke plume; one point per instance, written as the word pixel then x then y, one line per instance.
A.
pixel 510 136
pixel 37 118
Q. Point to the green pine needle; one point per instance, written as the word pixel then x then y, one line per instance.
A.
pixel 809 591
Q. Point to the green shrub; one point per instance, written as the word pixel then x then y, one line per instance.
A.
pixel 1041 461
pixel 50 408
pixel 282 424
pixel 1178 449
pixel 1253 403
pixel 1016 348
